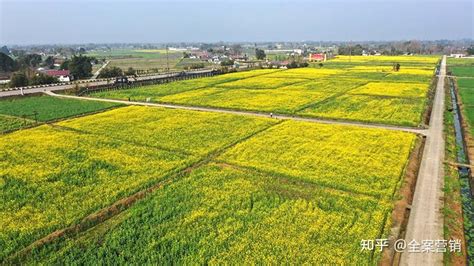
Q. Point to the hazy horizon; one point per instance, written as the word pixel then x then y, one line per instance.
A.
pixel 82 22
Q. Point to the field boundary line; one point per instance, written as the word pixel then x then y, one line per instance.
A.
pixel 120 139
pixel 220 90
pixel 303 81
pixel 295 180
pixel 19 117
pixel 57 120
pixel 462 77
pixel 390 96
pixel 89 221
pixel 215 85
pixel 334 96
pixel 419 131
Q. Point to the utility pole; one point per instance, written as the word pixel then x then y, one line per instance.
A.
pixel 350 51
pixel 167 60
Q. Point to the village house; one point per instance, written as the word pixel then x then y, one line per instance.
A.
pixel 62 75
pixel 457 55
pixel 317 57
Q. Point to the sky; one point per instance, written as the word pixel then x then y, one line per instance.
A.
pixel 144 21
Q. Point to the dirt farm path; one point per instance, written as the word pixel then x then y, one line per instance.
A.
pixel 420 131
pixel 96 74
pixel 426 218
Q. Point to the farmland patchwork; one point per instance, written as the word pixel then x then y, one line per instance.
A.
pixel 362 89
pixel 258 177
pixel 237 189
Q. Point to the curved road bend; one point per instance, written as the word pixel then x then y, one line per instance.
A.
pixel 426 218
pixel 219 110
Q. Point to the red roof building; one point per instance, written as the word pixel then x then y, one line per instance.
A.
pixel 317 57
pixel 62 75
pixel 57 73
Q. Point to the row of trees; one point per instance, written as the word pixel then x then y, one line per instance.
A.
pixel 351 50
pixel 8 64
pixel 21 79
pixel 294 64
pixel 24 73
pixel 112 72
pixel 410 47
pixel 79 66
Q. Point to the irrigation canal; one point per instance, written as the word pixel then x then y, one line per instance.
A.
pixel 464 173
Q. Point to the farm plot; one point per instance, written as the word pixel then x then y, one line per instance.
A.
pixel 154 92
pixel 459 62
pixel 382 74
pixel 463 69
pixel 222 214
pixel 295 193
pixel 305 73
pixel 139 59
pixel 466 91
pixel 407 77
pixel 387 60
pixel 340 157
pixel 326 85
pixel 8 123
pixel 286 99
pixel 260 83
pixel 178 130
pixel 50 108
pixel 268 100
pixel 392 89
pixel 47 108
pixel 53 176
pixel 372 109
pixel 365 89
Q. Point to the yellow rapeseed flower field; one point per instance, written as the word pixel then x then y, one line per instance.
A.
pixel 297 192
pixel 347 158
pixel 392 89
pixel 270 100
pixel 401 59
pixel 305 73
pixel 366 108
pixel 261 82
pixel 242 190
pixel 328 91
pixel 52 176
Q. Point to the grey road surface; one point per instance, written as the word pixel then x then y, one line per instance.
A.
pixel 426 218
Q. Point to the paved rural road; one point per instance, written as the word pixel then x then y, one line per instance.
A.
pixel 426 218
pixel 89 83
pixel 218 110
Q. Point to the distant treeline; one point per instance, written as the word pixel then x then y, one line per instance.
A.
pixel 23 68
pixel 409 47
